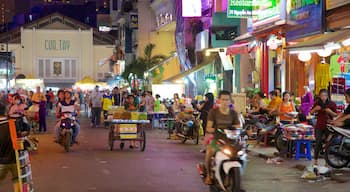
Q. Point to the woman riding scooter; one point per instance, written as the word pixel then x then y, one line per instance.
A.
pixel 17 111
pixel 68 105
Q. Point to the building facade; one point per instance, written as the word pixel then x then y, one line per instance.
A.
pixel 60 50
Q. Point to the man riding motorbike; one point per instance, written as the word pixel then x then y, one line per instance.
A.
pixel 220 118
pixel 68 105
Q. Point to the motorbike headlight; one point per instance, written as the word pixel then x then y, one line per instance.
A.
pixel 227 152
pixel 240 152
pixel 63 124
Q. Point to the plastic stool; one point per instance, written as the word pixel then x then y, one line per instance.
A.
pixel 306 153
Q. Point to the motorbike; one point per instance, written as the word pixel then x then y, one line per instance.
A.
pixel 23 132
pixel 337 151
pixel 188 129
pixel 250 124
pixel 67 124
pixel 228 163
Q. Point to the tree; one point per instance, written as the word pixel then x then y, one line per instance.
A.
pixel 148 59
pixel 137 68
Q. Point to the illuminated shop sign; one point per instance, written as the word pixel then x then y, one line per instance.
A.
pixel 306 16
pixel 239 8
pixel 192 8
pixel 265 9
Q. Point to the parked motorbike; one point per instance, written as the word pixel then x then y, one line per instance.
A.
pixel 23 132
pixel 228 163
pixel 189 129
pixel 337 152
pixel 67 126
pixel 250 124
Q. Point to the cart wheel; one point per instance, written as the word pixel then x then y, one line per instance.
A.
pixel 183 140
pixel 121 145
pixel 143 141
pixel 111 140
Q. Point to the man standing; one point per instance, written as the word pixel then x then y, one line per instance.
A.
pixel 96 107
pixel 116 96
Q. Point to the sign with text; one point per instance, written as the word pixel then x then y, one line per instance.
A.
pixel 239 8
pixel 306 16
pixel 57 45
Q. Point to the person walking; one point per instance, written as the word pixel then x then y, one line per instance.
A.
pixel 39 99
pixel 96 107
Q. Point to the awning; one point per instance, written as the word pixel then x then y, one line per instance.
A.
pixel 237 48
pixel 246 37
pixel 188 72
pixel 319 42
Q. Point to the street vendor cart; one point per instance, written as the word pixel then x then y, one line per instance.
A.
pixel 127 130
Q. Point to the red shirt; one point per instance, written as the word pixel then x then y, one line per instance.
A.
pixel 322 116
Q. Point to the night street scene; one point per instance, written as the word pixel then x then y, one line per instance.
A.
pixel 174 96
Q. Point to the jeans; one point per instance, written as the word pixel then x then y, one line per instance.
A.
pixel 320 134
pixel 5 169
pixel 76 130
pixel 96 115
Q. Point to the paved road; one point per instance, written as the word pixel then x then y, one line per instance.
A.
pixel 165 166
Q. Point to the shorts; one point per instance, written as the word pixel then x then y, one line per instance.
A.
pixel 5 169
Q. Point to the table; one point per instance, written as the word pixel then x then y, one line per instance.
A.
pixel 156 116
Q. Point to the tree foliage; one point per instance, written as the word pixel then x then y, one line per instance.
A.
pixel 137 68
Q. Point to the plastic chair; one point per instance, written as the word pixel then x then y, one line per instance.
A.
pixel 301 153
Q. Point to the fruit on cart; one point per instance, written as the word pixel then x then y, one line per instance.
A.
pixel 117 115
pixel 134 115
pixel 142 116
pixel 126 115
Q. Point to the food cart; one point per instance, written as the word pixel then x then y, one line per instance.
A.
pixel 126 126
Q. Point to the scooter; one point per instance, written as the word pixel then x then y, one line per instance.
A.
pixel 337 151
pixel 189 129
pixel 67 126
pixel 228 163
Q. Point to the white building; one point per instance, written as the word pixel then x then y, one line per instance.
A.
pixel 60 50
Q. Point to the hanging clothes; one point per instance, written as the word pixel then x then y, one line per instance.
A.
pixel 322 76
pixel 334 65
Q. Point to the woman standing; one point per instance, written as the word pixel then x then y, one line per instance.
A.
pixel 307 101
pixel 205 107
pixel 285 108
pixel 326 110
pixel 176 102
pixel 39 99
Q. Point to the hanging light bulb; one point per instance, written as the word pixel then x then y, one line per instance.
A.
pixel 324 53
pixel 304 57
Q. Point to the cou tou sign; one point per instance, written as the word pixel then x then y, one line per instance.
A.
pixel 57 45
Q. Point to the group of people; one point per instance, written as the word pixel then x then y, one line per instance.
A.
pixel 321 106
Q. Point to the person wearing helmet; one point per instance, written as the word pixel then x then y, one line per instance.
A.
pixel 68 105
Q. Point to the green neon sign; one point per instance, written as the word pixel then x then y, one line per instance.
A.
pixel 239 8
pixel 264 9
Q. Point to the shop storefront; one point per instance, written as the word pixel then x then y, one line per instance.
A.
pixel 61 51
pixel 266 24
